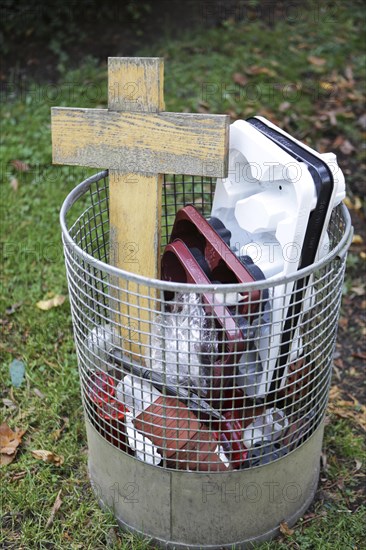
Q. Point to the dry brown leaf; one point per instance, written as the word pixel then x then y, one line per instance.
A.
pixel 240 79
pixel 55 508
pixel 318 61
pixel 357 239
pixel 20 165
pixel 255 69
pixel 14 184
pixel 9 443
pixel 45 305
pixel 334 392
pixel 285 530
pixel 48 456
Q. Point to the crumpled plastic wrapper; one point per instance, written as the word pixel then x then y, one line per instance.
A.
pixel 266 428
pixel 183 341
pixel 98 344
pixel 137 395
pixel 144 448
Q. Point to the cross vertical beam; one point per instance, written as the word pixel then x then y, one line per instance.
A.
pixel 135 85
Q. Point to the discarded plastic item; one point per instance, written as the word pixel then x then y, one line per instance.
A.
pixel 290 438
pixel 224 267
pixel 178 435
pixel 108 414
pixel 260 454
pixel 272 178
pixel 198 254
pixel 297 431
pixel 144 448
pixel 140 395
pixel 103 394
pixel 100 340
pixel 329 192
pixel 182 342
pixel 137 395
pixel 178 263
pixel 265 428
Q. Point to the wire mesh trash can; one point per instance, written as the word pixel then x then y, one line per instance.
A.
pixel 200 437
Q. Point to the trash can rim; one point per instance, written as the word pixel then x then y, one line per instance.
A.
pixel 68 241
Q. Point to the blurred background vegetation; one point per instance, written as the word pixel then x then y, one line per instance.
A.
pixel 301 65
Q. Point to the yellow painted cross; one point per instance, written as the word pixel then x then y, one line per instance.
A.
pixel 138 142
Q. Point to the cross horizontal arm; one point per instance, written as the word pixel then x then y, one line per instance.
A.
pixel 159 143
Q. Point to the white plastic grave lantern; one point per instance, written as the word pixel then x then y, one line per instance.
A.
pixel 276 201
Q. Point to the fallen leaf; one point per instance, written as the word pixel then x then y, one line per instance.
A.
pixel 327 86
pixel 9 443
pixel 240 79
pixel 318 61
pixel 358 290
pixel 48 456
pixel 358 465
pixel 57 433
pixel 285 530
pixel 255 69
pixel 14 184
pixel 20 165
pixel 55 508
pixel 346 147
pixel 56 301
pixel 357 239
pixel 17 372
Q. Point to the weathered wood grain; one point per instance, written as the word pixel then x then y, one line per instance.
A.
pixel 170 143
pixel 135 202
pixel 136 84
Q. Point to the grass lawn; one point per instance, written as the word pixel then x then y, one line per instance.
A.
pixel 306 73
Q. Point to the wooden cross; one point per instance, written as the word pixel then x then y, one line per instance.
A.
pixel 138 142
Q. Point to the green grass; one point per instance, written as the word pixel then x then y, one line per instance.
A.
pixel 198 75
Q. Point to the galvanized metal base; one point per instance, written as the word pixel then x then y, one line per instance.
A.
pixel 177 509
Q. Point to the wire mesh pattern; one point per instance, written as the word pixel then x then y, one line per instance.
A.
pixel 209 386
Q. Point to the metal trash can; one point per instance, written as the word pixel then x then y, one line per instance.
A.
pixel 200 439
